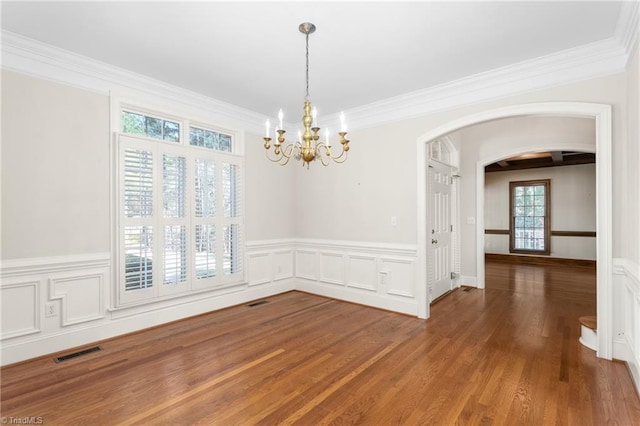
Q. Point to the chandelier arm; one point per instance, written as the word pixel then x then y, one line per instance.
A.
pixel 275 159
pixel 320 156
pixel 338 158
pixel 335 158
pixel 283 155
pixel 290 149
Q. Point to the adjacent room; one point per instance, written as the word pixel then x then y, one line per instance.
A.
pixel 320 212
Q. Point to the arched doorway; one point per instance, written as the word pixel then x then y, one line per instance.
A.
pixel 602 115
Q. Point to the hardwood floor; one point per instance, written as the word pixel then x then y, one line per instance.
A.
pixel 505 355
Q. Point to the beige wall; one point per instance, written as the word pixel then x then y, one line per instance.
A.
pixel 55 174
pixel 269 194
pixel 55 169
pixel 632 179
pixel 572 204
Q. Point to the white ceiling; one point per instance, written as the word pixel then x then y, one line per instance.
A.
pixel 251 54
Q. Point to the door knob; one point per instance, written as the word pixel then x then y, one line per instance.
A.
pixel 434 241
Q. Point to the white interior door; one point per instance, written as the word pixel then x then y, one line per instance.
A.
pixel 439 261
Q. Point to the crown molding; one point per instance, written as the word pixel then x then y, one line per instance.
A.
pixel 585 62
pixel 628 27
pixel 568 66
pixel 37 59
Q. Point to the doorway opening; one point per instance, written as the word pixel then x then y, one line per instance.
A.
pixel 602 115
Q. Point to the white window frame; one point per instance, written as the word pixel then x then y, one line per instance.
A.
pixel 159 291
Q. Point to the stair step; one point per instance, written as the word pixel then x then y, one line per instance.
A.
pixel 589 322
pixel 588 332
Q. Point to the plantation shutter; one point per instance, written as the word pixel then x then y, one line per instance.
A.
pixel 138 229
pixel 180 216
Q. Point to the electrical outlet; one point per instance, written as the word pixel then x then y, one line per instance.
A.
pixel 50 310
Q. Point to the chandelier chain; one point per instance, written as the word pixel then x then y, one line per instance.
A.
pixel 307 68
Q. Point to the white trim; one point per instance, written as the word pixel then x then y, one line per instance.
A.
pixel 36 326
pixel 47 265
pixel 399 304
pixel 468 281
pixel 66 318
pixel 585 62
pixel 627 31
pixel 626 345
pixel 602 115
pixel 369 247
pixel 45 61
pixel 370 273
pixel 627 267
pixel 282 243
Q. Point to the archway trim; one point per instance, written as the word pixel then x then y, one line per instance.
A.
pixel 601 113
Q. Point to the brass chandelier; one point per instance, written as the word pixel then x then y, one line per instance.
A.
pixel 308 147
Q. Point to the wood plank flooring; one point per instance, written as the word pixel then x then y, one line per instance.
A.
pixel 506 355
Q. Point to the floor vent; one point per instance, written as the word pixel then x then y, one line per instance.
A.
pixel 258 303
pixel 77 354
pixel 466 289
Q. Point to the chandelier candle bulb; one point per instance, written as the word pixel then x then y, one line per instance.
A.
pixel 308 147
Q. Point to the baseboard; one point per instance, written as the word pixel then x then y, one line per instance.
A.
pixel 468 281
pixel 374 300
pixel 634 371
pixel 538 260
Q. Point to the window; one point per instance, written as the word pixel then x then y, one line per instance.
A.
pixel 529 230
pixel 209 139
pixel 179 208
pixel 157 128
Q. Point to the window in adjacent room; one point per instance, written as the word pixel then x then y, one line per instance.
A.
pixel 180 218
pixel 529 229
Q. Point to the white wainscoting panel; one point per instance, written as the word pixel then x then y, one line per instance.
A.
pixel 626 321
pixel 20 307
pixel 81 295
pixel 332 268
pixel 306 264
pixel 269 261
pixel 363 272
pixel 373 274
pixel 283 264
pixel 398 276
pixel 259 268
